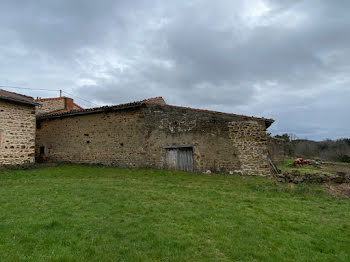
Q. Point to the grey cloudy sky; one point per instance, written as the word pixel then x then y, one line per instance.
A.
pixel 288 60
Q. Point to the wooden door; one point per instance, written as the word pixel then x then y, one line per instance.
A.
pixel 180 158
pixel 171 158
pixel 185 159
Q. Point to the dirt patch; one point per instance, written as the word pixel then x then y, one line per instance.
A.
pixel 340 190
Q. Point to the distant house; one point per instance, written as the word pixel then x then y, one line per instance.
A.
pixel 17 128
pixel 56 104
pixel 153 134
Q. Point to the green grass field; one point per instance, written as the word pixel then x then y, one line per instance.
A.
pixel 82 213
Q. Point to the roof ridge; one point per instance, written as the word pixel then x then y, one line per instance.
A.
pixel 220 113
pixel 152 99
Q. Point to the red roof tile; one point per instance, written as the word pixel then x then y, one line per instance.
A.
pixel 11 96
pixel 78 106
pixel 155 100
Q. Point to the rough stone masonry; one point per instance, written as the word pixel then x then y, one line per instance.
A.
pixel 17 129
pixel 140 134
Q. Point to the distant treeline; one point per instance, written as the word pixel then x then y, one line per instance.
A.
pixel 330 150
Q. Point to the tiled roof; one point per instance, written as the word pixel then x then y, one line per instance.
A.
pixel 141 103
pixel 78 105
pixel 18 98
pixel 86 111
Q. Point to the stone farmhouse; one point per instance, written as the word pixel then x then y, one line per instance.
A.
pixel 17 128
pixel 143 134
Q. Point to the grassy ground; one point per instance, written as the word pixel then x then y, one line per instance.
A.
pixel 330 168
pixel 337 163
pixel 80 213
pixel 287 165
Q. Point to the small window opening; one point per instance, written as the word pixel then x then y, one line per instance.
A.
pixel 42 150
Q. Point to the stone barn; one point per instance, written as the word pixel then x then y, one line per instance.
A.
pixel 17 128
pixel 153 134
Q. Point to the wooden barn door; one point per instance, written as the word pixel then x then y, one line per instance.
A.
pixel 185 159
pixel 171 158
pixel 180 158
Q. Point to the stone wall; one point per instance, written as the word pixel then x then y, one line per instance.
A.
pixel 115 138
pixel 50 105
pixel 220 143
pixel 17 133
pixel 276 149
pixel 251 140
pixel 139 137
pixel 298 177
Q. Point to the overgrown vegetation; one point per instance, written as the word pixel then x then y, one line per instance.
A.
pixel 331 150
pixel 287 165
pixel 289 148
pixel 82 213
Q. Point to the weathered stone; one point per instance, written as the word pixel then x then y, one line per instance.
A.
pixel 298 177
pixel 16 143
pixel 137 137
pixel 56 104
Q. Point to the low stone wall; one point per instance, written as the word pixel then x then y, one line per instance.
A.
pixel 297 177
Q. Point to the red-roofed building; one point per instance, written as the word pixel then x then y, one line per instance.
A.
pixel 56 104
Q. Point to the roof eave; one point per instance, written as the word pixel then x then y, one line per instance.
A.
pixel 269 122
pixel 19 101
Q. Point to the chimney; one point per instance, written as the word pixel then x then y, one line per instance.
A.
pixel 68 103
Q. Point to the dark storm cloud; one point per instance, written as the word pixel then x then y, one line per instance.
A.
pixel 283 59
pixel 63 26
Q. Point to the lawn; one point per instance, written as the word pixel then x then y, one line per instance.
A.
pixel 83 213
